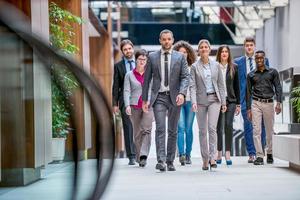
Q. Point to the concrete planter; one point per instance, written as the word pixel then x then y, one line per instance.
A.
pixel 58 149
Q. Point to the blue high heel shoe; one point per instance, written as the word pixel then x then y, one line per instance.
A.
pixel 219 161
pixel 228 162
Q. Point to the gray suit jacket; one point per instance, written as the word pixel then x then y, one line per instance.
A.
pixel 179 76
pixel 132 89
pixel 197 83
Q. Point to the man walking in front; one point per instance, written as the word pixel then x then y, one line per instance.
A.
pixel 262 84
pixel 168 71
pixel 120 69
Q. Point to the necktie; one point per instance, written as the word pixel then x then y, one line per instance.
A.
pixel 166 69
pixel 130 64
pixel 251 64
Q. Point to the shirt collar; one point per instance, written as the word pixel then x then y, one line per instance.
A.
pixel 266 69
pixel 247 57
pixel 209 61
pixel 127 61
pixel 163 51
pixel 224 66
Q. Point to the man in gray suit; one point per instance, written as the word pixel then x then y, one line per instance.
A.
pixel 169 72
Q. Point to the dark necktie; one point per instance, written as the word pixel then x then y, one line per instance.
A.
pixel 251 64
pixel 166 69
pixel 130 64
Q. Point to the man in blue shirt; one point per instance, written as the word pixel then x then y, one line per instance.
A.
pixel 120 69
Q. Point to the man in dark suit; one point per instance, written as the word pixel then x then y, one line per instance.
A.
pixel 120 69
pixel 167 69
pixel 246 64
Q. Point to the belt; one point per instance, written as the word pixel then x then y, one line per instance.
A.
pixel 211 93
pixel 165 93
pixel 263 100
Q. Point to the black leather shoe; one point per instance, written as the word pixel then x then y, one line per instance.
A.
pixel 170 166
pixel 182 160
pixel 188 160
pixel 258 161
pixel 161 166
pixel 131 161
pixel 270 159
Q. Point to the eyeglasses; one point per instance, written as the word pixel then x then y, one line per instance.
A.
pixel 142 59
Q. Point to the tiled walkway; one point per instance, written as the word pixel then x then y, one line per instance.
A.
pixel 237 182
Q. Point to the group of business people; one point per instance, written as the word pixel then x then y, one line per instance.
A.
pixel 173 83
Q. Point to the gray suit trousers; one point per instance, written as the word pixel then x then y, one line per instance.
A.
pixel 163 107
pixel 142 126
pixel 207 116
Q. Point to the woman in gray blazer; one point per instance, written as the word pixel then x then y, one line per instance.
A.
pixel 208 96
pixel 141 121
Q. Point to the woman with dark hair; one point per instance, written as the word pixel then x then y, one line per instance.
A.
pixel 141 121
pixel 185 123
pixel 232 93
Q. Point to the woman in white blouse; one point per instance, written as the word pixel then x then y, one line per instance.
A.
pixel 208 96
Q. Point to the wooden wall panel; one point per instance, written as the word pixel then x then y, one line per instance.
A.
pixel 80 8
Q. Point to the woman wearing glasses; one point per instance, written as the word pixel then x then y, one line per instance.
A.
pixel 141 122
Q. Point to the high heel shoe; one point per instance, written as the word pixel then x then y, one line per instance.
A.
pixel 212 165
pixel 228 162
pixel 219 161
pixel 205 166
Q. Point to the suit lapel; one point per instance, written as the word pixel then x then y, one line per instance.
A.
pixel 244 64
pixel 123 67
pixel 173 57
pixel 159 62
pixel 201 71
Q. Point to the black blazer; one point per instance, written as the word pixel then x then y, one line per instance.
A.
pixel 118 84
pixel 233 86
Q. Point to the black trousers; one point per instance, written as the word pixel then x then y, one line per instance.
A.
pixel 225 124
pixel 128 133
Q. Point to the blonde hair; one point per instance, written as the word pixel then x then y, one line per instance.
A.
pixel 204 41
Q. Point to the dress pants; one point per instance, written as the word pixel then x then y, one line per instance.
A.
pixel 142 126
pixel 163 107
pixel 225 124
pixel 207 117
pixel 266 112
pixel 248 132
pixel 128 133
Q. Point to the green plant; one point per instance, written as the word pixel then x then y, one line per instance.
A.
pixel 61 35
pixel 61 29
pixel 296 100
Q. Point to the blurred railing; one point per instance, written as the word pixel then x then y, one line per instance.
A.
pixel 27 65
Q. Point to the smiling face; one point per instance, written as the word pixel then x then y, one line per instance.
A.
pixel 260 59
pixel 204 50
pixel 166 40
pixel 127 51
